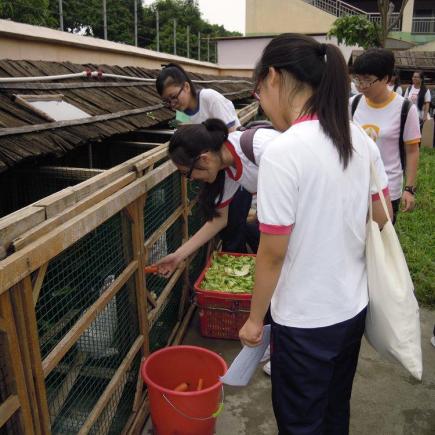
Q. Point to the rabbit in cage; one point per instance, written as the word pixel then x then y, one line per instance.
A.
pixel 97 340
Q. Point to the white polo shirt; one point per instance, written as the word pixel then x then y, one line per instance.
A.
pixel 245 173
pixel 413 96
pixel 212 104
pixel 382 123
pixel 304 191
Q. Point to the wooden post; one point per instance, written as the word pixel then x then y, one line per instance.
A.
pixel 185 232
pixel 136 211
pixel 35 355
pixel 16 366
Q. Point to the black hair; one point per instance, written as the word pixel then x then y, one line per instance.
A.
pixel 173 74
pixel 396 81
pixel 188 143
pixel 323 67
pixel 422 91
pixel 378 62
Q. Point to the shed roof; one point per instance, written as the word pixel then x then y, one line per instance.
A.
pixel 116 105
pixel 408 60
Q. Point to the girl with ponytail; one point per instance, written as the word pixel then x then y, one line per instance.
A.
pixel 179 93
pixel 313 198
pixel 208 153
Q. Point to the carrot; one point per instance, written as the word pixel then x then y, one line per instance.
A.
pixel 200 384
pixel 182 387
pixel 151 269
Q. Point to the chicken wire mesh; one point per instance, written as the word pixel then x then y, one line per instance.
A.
pixel 162 200
pixel 167 318
pixel 21 187
pixel 78 381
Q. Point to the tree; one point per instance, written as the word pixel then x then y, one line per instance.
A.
pixel 359 30
pixel 388 22
pixel 355 30
pixel 26 11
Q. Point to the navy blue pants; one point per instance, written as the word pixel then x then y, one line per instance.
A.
pixel 234 234
pixel 312 376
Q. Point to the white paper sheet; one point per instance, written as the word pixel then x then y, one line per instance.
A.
pixel 243 367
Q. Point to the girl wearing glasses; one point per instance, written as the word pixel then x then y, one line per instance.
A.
pixel 207 152
pixel 313 198
pixel 179 93
pixel 379 112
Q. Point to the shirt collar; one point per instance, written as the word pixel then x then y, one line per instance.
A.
pixel 237 161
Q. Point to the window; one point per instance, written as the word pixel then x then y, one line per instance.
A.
pixel 52 107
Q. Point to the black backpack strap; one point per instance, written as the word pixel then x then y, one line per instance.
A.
pixel 247 140
pixel 354 105
pixel 406 105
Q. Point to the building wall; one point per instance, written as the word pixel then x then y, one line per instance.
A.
pixel 244 52
pixel 279 16
pixel 22 41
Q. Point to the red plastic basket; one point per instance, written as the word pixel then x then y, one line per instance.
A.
pixel 221 314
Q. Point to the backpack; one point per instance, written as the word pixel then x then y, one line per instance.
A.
pixel 247 137
pixel 406 105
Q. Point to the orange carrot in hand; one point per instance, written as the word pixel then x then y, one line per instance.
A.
pixel 182 387
pixel 200 384
pixel 152 269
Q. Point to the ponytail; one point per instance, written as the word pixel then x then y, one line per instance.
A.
pixel 330 102
pixel 188 143
pixel 324 69
pixel 173 74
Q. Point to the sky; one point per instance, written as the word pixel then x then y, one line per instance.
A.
pixel 229 13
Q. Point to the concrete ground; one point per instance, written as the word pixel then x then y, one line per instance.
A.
pixel 385 400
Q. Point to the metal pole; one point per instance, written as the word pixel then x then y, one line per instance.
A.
pixel 60 15
pixel 135 23
pixel 208 48
pixel 199 45
pixel 105 19
pixel 157 30
pixel 175 36
pixel 188 40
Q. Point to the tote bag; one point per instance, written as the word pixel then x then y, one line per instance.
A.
pixel 392 322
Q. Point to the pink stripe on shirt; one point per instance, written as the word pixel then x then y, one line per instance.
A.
pixel 376 197
pixel 279 230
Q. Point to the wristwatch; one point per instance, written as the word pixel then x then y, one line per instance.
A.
pixel 410 189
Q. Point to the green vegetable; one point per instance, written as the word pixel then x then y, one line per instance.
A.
pixel 230 274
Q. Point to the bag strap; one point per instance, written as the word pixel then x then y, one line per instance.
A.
pixel 406 105
pixel 247 140
pixel 374 176
pixel 355 103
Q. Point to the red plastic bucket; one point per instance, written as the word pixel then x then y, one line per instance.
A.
pixel 184 413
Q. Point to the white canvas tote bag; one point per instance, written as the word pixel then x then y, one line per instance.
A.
pixel 392 322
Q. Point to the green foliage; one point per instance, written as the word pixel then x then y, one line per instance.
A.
pixel 86 17
pixel 230 274
pixel 416 231
pixel 355 30
pixel 26 11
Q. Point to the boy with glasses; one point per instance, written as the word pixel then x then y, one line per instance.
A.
pixel 390 121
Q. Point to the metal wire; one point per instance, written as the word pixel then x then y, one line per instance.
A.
pixel 78 381
pixel 75 279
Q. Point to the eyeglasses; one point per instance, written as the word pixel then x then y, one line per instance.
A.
pixel 364 84
pixel 168 102
pixel 188 174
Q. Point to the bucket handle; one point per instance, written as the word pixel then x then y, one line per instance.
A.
pixel 214 415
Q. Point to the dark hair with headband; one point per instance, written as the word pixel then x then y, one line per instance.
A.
pixel 188 143
pixel 324 69
pixel 173 74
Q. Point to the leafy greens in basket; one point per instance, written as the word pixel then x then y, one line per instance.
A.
pixel 230 274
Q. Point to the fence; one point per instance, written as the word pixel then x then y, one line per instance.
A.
pixel 77 313
pixel 423 25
